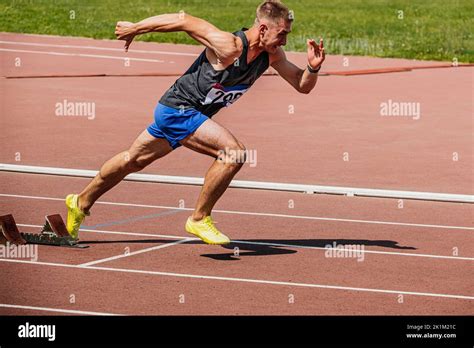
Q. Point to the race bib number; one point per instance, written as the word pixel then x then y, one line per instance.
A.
pixel 225 95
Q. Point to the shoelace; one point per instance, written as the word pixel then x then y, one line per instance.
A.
pixel 77 223
pixel 211 226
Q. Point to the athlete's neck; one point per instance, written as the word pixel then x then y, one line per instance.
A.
pixel 253 37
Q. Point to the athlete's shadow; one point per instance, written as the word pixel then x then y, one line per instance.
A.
pixel 265 247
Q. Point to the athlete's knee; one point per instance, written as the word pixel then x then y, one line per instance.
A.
pixel 243 153
pixel 134 163
pixel 233 154
pixel 134 166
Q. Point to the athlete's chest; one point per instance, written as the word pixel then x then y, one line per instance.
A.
pixel 234 82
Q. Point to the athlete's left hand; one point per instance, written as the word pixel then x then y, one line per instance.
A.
pixel 125 31
pixel 316 54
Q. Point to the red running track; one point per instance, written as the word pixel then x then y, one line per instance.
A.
pixel 416 256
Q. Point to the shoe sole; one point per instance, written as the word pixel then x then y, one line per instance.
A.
pixel 69 208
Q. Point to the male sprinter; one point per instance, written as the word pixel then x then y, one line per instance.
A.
pixel 226 69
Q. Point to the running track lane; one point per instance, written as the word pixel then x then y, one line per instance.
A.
pixel 103 290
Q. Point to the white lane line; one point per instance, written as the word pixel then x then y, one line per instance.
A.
pixel 57 310
pixel 167 245
pixel 132 50
pixel 256 213
pixel 265 243
pixel 244 280
pixel 85 55
pixel 376 222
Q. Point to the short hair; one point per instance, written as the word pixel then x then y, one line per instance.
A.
pixel 274 10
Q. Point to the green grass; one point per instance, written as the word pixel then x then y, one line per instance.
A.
pixel 430 29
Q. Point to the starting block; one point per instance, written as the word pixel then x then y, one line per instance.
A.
pixel 54 232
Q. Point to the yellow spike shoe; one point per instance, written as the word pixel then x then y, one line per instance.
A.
pixel 207 231
pixel 75 216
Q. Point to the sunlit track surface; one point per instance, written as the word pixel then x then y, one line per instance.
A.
pixel 291 253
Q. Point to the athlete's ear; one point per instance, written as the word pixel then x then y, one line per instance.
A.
pixel 262 28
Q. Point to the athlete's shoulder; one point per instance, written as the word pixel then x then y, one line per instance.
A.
pixel 239 44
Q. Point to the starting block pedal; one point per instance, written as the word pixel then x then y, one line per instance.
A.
pixel 54 233
pixel 10 230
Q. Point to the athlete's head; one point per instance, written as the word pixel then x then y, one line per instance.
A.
pixel 273 21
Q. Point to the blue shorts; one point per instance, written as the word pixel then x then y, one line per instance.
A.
pixel 175 124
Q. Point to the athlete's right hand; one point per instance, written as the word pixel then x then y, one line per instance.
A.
pixel 125 31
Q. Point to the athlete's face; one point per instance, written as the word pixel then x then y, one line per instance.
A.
pixel 273 35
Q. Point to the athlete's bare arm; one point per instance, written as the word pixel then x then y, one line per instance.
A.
pixel 226 46
pixel 301 79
